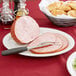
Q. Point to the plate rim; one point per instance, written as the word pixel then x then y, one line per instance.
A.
pixel 68 65
pixel 50 54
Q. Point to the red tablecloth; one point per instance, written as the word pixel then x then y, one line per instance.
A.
pixel 17 65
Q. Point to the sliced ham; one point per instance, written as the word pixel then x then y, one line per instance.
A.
pixel 47 37
pixel 24 30
pixel 64 41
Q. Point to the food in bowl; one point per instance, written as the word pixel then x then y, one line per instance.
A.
pixel 55 5
pixel 72 13
pixel 72 4
pixel 58 12
pixel 74 64
pixel 63 8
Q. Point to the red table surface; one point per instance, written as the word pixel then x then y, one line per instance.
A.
pixel 17 65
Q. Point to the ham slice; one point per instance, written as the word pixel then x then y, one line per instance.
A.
pixel 60 43
pixel 44 38
pixel 24 30
pixel 64 41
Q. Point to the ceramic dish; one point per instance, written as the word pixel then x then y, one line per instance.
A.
pixel 9 43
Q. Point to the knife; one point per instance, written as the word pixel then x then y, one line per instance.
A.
pixel 22 49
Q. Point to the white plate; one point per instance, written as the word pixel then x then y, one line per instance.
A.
pixel 10 43
pixel 69 64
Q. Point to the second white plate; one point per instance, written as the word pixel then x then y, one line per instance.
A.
pixel 70 61
pixel 9 43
